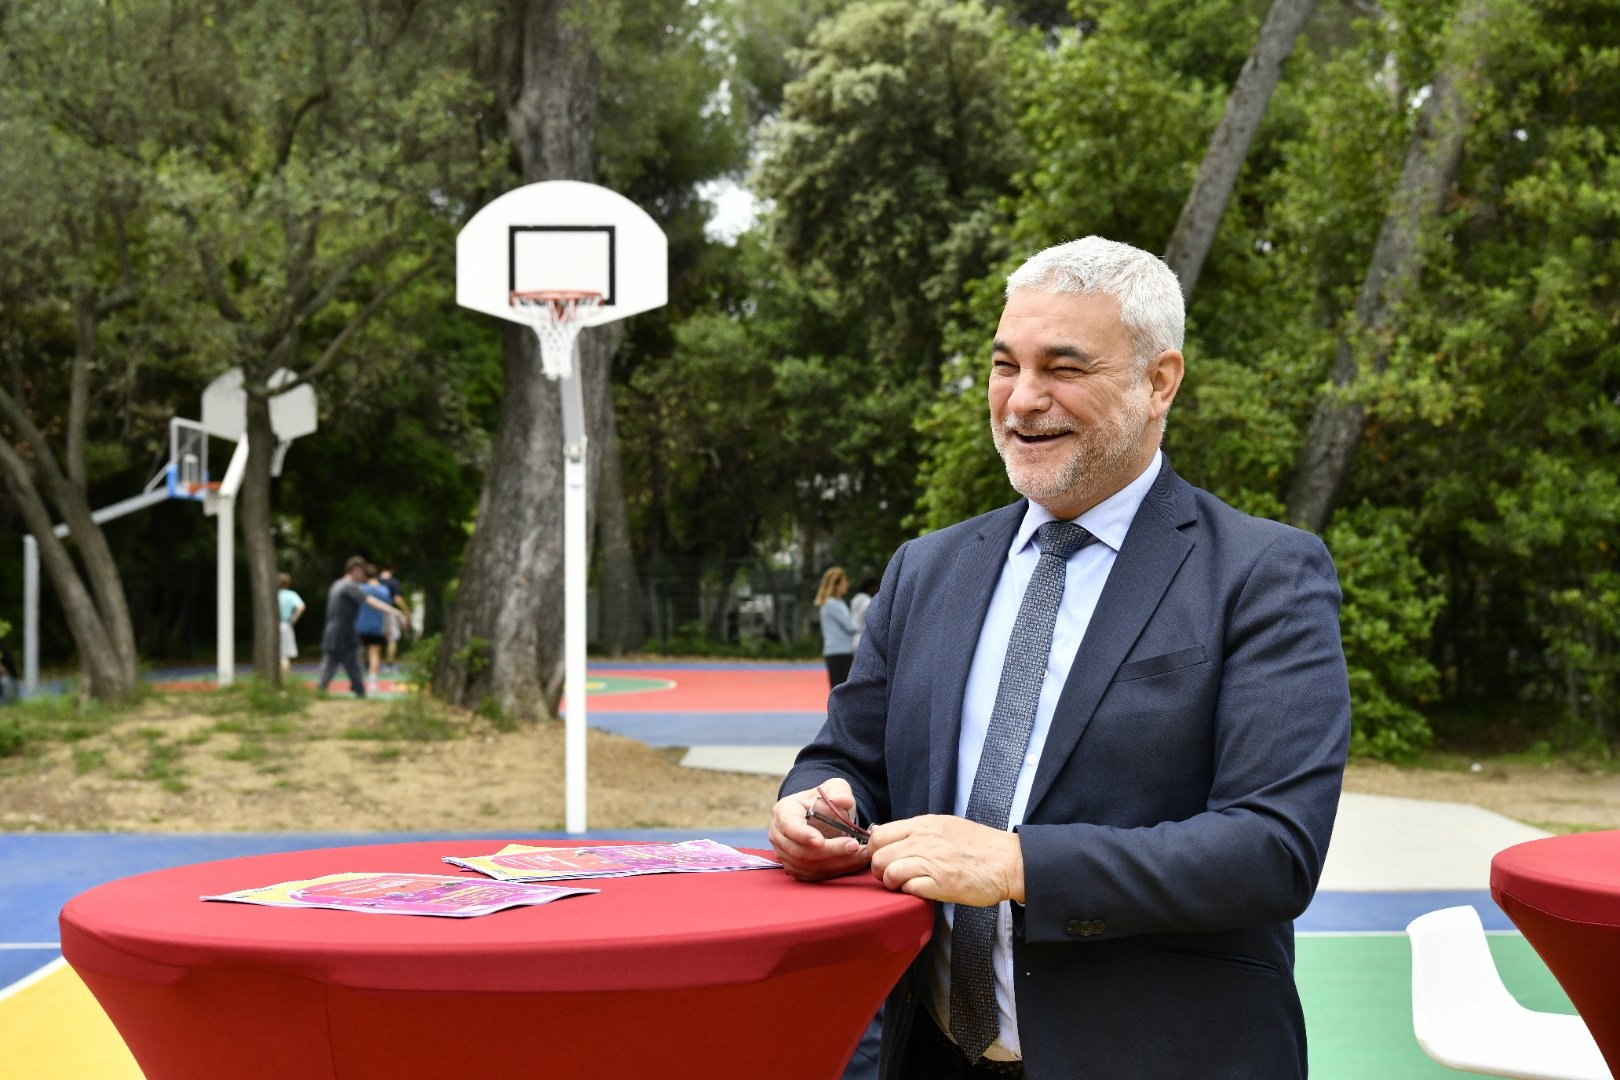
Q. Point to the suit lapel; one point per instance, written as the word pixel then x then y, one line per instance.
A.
pixel 1154 550
pixel 967 586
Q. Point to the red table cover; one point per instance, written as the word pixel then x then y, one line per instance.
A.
pixel 746 973
pixel 1563 893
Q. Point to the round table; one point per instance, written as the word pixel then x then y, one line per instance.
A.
pixel 745 974
pixel 1563 893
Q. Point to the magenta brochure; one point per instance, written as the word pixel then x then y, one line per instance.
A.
pixel 522 862
pixel 401 894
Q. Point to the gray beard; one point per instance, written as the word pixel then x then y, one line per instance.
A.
pixel 1100 452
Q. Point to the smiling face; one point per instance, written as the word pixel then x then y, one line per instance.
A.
pixel 1071 417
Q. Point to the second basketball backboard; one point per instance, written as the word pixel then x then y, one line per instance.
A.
pixel 562 235
pixel 224 407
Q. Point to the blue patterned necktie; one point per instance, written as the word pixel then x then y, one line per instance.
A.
pixel 975 1019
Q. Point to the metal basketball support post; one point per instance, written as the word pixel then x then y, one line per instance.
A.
pixel 574 578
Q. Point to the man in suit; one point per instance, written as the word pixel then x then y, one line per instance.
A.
pixel 1119 787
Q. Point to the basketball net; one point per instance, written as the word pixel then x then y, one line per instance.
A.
pixel 554 316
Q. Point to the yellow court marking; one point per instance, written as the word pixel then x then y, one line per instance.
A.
pixel 51 1027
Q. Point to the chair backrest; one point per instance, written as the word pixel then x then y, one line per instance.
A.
pixel 1465 1018
pixel 1453 972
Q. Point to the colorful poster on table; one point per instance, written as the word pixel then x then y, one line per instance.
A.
pixel 400 894
pixel 526 863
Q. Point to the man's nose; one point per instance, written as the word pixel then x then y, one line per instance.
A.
pixel 1030 393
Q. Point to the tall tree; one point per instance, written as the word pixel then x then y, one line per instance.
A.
pixel 313 182
pixel 1229 148
pixel 75 214
pixel 1432 160
pixel 633 96
pixel 503 640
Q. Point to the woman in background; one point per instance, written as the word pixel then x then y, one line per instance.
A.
pixel 837 627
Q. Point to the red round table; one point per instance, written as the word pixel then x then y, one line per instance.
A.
pixel 1563 893
pixel 746 974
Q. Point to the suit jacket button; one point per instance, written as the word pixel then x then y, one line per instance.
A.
pixel 1098 927
pixel 1076 928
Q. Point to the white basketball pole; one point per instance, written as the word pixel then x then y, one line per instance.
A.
pixel 574 573
pixel 223 503
pixel 30 614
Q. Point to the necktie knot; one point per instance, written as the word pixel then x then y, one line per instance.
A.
pixel 1062 538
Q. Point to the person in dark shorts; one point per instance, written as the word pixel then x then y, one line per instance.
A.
pixel 340 643
pixel 372 625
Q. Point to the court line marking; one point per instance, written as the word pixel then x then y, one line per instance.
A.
pixel 30 945
pixel 30 979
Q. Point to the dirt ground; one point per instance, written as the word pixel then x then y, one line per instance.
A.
pixel 349 766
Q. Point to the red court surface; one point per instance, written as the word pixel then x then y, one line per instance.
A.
pixel 624 687
pixel 733 689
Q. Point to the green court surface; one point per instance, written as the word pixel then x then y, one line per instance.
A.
pixel 1357 992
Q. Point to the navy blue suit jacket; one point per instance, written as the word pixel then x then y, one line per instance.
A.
pixel 1184 799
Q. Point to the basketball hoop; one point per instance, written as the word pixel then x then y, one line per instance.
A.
pixel 554 316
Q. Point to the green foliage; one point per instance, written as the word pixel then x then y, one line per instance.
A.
pixel 258 700
pixel 1390 603
pixel 15 732
pixel 887 162
pixel 473 657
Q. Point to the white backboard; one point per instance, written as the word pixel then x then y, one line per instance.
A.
pixel 224 407
pixel 562 234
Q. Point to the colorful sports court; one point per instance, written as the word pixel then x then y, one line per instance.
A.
pixel 1392 860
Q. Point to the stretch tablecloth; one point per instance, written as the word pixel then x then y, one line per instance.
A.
pixel 743 974
pixel 1563 893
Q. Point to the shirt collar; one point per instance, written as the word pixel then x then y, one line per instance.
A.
pixel 1108 521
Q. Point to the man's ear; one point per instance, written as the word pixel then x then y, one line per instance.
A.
pixel 1164 373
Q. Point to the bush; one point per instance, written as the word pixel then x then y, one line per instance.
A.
pixel 15 731
pixel 1390 604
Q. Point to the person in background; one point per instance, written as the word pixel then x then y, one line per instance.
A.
pixel 395 627
pixel 340 642
pixel 371 624
pixel 292 607
pixel 837 627
pixel 1104 727
pixel 858 605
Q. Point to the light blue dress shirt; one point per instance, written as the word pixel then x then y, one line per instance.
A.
pixel 1087 573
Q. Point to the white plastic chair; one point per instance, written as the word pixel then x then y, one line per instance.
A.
pixel 1465 1019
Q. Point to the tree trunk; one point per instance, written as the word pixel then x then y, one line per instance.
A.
pixel 1217 175
pixel 1432 160
pixel 108 675
pixel 504 636
pixel 258 538
pixel 94 602
pixel 621 627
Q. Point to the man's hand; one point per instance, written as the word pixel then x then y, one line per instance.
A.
pixel 943 857
pixel 804 852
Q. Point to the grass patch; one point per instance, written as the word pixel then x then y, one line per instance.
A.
pixel 256 698
pixel 1565 827
pixel 58 719
pixel 88 760
pixel 412 719
pixel 163 765
pixel 15 732
pixel 249 752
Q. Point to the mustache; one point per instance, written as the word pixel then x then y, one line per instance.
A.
pixel 1013 424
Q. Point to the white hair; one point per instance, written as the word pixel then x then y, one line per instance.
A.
pixel 1148 293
